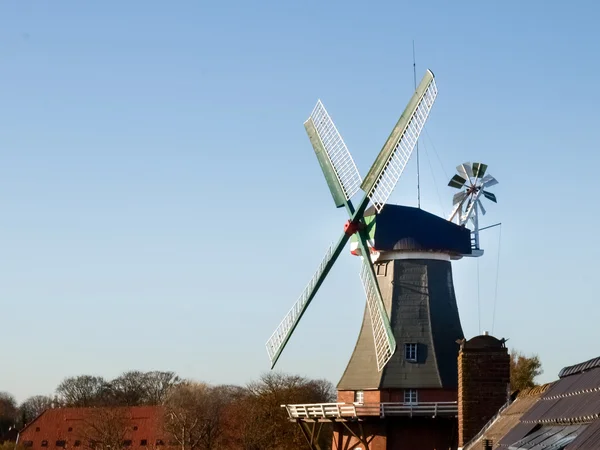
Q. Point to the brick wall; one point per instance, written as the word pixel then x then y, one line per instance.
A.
pixel 419 433
pixel 397 395
pixel 483 378
pixel 374 433
pixel 398 434
pixel 348 396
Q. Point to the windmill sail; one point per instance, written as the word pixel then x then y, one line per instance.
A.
pixel 344 180
pixel 385 344
pixel 472 177
pixel 479 170
pixel 338 166
pixel 489 181
pixel 282 333
pixel 490 196
pixel 465 170
pixel 389 165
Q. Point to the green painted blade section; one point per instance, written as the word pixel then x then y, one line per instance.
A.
pixel 457 182
pixel 490 196
pixel 332 181
pixel 311 294
pixel 389 146
pixel 479 170
pixel 370 224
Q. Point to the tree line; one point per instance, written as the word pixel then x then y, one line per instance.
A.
pixel 199 416
pixel 196 416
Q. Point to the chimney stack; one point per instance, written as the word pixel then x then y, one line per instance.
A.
pixel 483 379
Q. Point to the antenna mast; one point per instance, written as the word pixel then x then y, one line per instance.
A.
pixel 417 147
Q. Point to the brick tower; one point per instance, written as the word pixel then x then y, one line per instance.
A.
pixel 484 378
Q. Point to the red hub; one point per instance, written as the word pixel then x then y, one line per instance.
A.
pixel 351 227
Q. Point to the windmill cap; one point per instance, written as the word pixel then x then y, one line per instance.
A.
pixel 398 227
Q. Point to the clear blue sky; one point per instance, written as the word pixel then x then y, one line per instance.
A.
pixel 161 206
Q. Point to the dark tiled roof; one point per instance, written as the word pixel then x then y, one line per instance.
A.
pixel 506 425
pixel 549 438
pixel 566 416
pixel 515 434
pixel 590 438
pixel 581 367
pixel 573 398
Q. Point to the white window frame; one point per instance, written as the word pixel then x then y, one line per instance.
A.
pixel 359 397
pixel 411 397
pixel 410 348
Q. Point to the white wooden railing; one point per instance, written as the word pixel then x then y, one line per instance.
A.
pixel 355 410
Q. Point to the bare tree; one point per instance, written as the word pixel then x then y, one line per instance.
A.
pixel 135 388
pixel 194 415
pixel 259 422
pixel 130 388
pixel 8 414
pixel 33 407
pixel 105 428
pixel 158 386
pixel 84 390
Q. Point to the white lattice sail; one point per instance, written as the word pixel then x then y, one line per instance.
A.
pixel 388 177
pixel 337 152
pixel 280 335
pixel 384 343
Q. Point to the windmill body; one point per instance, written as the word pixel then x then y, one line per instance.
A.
pixel 412 250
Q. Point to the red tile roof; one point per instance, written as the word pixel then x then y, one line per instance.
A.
pixel 69 425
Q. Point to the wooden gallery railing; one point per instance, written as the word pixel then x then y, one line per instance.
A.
pixel 332 411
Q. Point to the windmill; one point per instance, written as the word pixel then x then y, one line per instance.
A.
pixel 471 179
pixel 344 181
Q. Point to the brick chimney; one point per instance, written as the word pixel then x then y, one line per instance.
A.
pixel 483 380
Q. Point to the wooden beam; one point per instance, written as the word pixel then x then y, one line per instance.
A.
pixel 311 434
pixel 360 438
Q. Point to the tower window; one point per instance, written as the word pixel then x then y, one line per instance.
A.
pixel 410 352
pixel 410 397
pixel 381 269
pixel 359 396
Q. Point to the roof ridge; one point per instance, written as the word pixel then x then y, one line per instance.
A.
pixel 535 390
pixel 32 421
pixel 581 367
